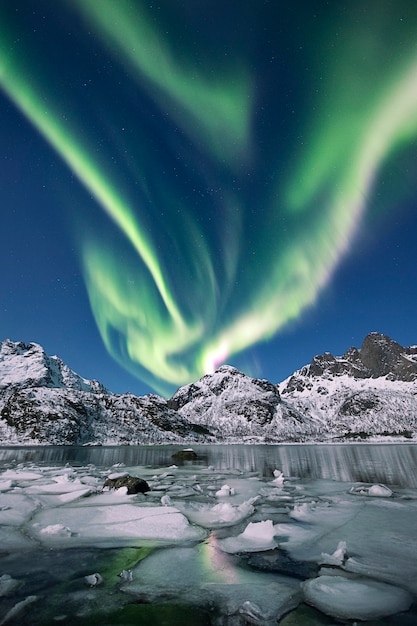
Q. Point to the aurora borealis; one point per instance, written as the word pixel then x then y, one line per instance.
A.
pixel 219 163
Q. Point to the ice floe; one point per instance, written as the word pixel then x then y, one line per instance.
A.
pixel 362 599
pixel 113 525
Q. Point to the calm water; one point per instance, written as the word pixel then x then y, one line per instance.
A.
pixel 394 464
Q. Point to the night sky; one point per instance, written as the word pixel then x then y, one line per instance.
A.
pixel 191 182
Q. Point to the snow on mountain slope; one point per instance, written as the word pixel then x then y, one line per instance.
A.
pixel 66 416
pixel 228 402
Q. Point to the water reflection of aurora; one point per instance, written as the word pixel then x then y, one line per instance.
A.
pixel 211 236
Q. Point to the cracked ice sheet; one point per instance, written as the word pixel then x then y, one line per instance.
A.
pixel 381 542
pixel 59 485
pixel 20 475
pixel 116 525
pixel 206 575
pixel 11 539
pixel 303 536
pixel 15 509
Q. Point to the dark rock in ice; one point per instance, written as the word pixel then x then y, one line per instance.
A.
pixel 278 561
pixel 185 455
pixel 134 484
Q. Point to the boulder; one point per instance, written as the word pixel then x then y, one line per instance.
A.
pixel 185 455
pixel 134 484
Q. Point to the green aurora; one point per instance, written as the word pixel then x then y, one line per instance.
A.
pixel 175 282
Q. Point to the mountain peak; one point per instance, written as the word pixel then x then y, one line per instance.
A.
pixel 379 356
pixel 27 365
pixel 382 356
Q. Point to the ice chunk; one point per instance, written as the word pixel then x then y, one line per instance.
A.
pixel 363 599
pixel 59 485
pixel 56 529
pixel 126 575
pixel 377 491
pixel 278 477
pixel 49 500
pixel 253 613
pixel 257 537
pixel 118 475
pixel 379 537
pixel 8 585
pixel 316 527
pixel 225 491
pixel 93 580
pixel 293 535
pixel 337 558
pixel 317 512
pixel 5 485
pixel 221 515
pixel 380 491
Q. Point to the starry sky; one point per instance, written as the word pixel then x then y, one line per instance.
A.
pixel 187 183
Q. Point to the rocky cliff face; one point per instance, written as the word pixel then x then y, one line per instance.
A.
pixel 367 392
pixel 379 356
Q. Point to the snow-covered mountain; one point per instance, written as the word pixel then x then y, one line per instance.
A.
pixel 44 401
pixel 230 403
pixel 367 392
pixel 24 366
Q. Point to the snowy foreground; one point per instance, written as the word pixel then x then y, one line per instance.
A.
pixel 203 546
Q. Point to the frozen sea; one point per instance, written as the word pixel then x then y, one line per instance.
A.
pixel 291 534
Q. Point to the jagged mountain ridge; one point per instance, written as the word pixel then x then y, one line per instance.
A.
pixel 371 391
pixel 379 356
